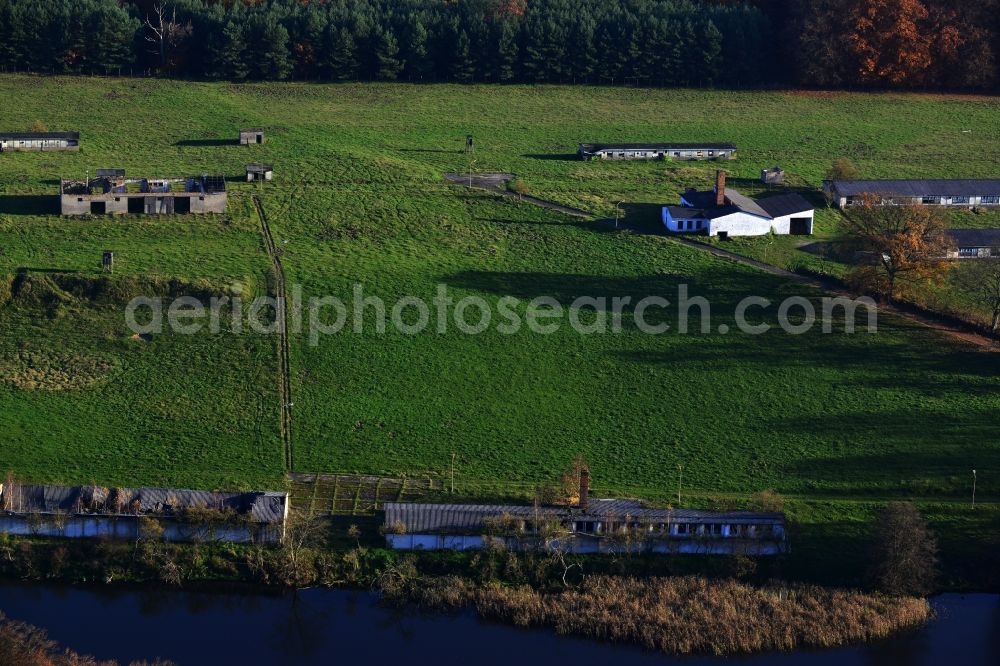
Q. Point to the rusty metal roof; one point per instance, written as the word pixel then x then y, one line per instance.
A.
pixel 263 507
pixel 460 517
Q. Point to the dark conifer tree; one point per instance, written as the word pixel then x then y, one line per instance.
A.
pixel 341 54
pixel 387 62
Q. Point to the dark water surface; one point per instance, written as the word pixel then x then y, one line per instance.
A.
pixel 328 626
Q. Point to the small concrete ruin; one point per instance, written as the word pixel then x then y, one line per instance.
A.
pixel 775 176
pixel 257 172
pixel 111 193
pixel 251 136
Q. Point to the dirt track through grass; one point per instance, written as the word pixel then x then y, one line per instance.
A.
pixel 280 295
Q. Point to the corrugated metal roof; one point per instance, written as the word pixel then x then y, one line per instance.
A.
pixel 975 237
pixel 785 204
pixel 745 203
pixel 594 147
pixel 423 518
pixel 264 507
pixel 919 188
pixel 34 136
pixel 703 204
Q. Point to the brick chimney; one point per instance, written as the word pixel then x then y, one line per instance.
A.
pixel 720 188
pixel 584 487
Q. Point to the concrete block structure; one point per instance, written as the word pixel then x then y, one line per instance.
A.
pixel 117 195
pixel 251 136
pixel 774 176
pixel 257 172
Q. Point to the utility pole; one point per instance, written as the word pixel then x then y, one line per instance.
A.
pixel 453 473
pixel 680 476
pixel 618 212
pixel 973 489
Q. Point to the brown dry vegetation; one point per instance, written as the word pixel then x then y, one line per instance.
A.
pixel 689 615
pixel 27 645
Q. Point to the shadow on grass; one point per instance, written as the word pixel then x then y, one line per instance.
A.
pixel 32 269
pixel 894 365
pixel 598 226
pixel 207 143
pixel 567 288
pixel 430 150
pixel 647 217
pixel 558 157
pixel 29 205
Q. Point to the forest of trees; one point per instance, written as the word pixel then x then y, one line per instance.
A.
pixel 739 43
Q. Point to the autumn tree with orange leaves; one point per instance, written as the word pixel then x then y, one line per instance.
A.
pixel 908 244
pixel 890 39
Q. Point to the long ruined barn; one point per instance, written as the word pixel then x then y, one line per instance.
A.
pixel 110 193
pixel 184 515
pixel 39 141
pixel 657 151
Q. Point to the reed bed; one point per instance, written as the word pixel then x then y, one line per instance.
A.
pixel 691 615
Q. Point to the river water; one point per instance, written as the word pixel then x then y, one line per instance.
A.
pixel 322 626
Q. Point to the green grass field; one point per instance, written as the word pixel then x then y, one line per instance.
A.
pixel 359 198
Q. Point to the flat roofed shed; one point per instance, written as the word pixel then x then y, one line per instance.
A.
pixel 251 135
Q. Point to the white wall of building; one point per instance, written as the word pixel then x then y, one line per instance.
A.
pixel 682 226
pixel 736 224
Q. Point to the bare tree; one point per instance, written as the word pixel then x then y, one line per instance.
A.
pixel 165 33
pixel 981 280
pixel 302 534
pixel 904 551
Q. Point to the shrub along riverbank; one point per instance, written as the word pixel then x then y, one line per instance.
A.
pixel 685 615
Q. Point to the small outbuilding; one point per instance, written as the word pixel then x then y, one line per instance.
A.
pixel 258 172
pixel 251 136
pixel 774 176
